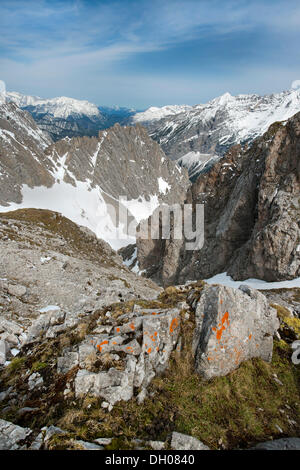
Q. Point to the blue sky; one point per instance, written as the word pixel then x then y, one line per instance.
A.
pixel 149 52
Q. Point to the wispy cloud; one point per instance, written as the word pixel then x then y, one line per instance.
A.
pixel 49 46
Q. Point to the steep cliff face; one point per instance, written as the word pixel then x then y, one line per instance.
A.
pixel 273 249
pixel 252 214
pixel 22 159
pixel 84 177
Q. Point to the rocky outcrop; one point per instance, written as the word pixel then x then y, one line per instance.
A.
pixel 232 325
pixel 145 343
pixel 129 373
pixel 272 251
pixel 251 205
pixel 40 248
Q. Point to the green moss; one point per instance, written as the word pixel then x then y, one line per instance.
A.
pixel 36 366
pixel 120 443
pixel 285 316
pixel 293 323
pixel 16 364
pixel 282 312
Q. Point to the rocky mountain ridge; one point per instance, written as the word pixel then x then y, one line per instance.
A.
pixel 214 127
pixel 84 177
pixel 251 204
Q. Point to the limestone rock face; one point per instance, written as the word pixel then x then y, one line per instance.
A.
pixel 22 146
pixel 272 251
pixel 252 216
pixel 232 325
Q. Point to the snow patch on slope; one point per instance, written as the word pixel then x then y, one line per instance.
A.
pixel 196 162
pixel 226 280
pixel 163 186
pixel 86 206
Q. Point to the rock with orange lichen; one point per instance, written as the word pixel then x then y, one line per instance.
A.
pixel 145 343
pixel 232 325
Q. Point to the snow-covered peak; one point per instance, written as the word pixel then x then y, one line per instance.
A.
pixel 222 122
pixel 295 85
pixel 61 107
pixel 154 114
pixel 223 100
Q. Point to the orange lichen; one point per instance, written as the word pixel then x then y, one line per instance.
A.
pixel 100 346
pixel 221 326
pixel 174 325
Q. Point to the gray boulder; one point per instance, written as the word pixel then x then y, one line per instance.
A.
pixel 11 435
pixel 183 442
pixel 89 445
pixel 286 443
pixel 3 351
pixel 232 325
pixel 113 385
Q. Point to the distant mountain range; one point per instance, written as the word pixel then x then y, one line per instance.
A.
pixel 189 133
pixel 67 117
pixel 193 135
